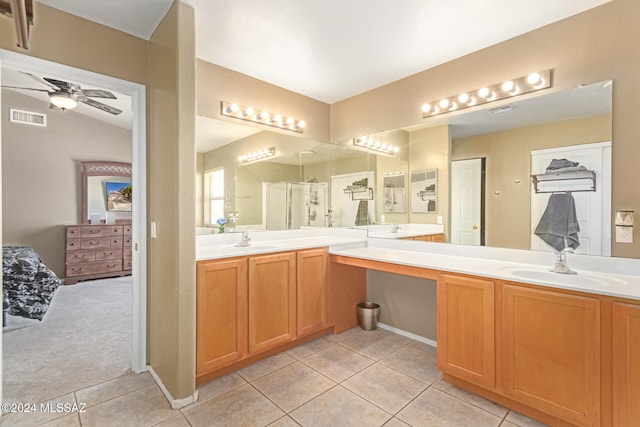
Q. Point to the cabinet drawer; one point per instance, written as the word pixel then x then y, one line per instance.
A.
pixel 127 241
pixel 73 244
pixel 75 257
pixel 73 232
pixel 126 264
pixel 126 253
pixel 115 230
pixel 127 230
pixel 96 243
pixel 95 231
pixel 115 242
pixel 104 254
pixel 94 268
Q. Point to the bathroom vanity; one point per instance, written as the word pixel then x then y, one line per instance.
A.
pixel 558 348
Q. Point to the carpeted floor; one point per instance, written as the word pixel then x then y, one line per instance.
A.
pixel 85 338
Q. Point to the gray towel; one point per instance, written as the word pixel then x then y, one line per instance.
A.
pixel 362 216
pixel 559 226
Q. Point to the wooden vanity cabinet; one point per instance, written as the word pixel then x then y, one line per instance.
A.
pixel 222 313
pixel 272 300
pixel 251 306
pixel 466 325
pixel 311 291
pixel 551 352
pixel 626 363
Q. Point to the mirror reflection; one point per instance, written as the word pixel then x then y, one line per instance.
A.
pixel 486 180
pixel 463 179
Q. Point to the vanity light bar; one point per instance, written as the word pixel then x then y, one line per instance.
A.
pixel 374 145
pixel 258 155
pixel 395 173
pixel 262 117
pixel 498 91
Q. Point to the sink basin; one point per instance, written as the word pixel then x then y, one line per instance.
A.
pixel 580 279
pixel 254 248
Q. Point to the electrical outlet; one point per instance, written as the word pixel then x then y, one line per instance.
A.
pixel 382 219
pixel 624 234
pixel 439 219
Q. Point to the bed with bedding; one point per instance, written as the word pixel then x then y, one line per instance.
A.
pixel 28 285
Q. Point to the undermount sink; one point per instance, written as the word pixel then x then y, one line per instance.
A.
pixel 580 279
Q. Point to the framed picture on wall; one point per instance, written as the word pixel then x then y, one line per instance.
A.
pixel 394 193
pixel 424 191
pixel 118 196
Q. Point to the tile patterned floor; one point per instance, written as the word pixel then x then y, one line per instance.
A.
pixel 358 378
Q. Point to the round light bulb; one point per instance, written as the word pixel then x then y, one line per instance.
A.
pixel 507 86
pixel 264 115
pixel 249 111
pixel 463 97
pixel 289 121
pixel 384 146
pixel 370 142
pixel 235 108
pixel 426 108
pixel 534 78
pixel 376 144
pixel 277 118
pixel 395 150
pixel 444 103
pixel 484 92
pixel 301 124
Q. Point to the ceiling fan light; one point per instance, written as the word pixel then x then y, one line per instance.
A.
pixel 63 101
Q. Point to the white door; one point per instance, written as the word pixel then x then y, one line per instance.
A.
pixel 466 202
pixel 592 207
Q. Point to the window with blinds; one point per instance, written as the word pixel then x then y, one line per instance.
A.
pixel 213 196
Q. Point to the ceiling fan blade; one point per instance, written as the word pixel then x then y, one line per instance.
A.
pixel 100 105
pixel 25 88
pixel 41 81
pixel 98 93
pixel 65 86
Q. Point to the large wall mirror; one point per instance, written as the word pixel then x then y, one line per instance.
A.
pixel 104 191
pixel 499 149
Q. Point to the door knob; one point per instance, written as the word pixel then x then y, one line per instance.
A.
pixel 475 227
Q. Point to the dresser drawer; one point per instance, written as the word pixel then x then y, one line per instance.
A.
pixel 95 243
pixel 94 267
pixel 126 264
pixel 104 254
pixel 127 230
pixel 127 241
pixel 74 244
pixel 95 231
pixel 115 230
pixel 74 232
pixel 126 252
pixel 75 257
pixel 115 242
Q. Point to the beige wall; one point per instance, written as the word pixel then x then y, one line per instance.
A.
pixel 199 186
pixel 217 84
pixel 171 172
pixel 429 149
pixel 596 45
pixel 41 172
pixel 508 155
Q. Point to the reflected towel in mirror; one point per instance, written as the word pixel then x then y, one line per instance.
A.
pixel 559 226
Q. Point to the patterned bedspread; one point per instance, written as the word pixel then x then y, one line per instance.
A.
pixel 28 285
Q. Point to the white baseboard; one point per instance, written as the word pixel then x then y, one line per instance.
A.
pixel 408 335
pixel 175 403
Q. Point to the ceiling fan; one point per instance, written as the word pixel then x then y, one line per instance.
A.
pixel 66 95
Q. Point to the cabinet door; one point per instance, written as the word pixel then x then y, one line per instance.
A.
pixel 626 364
pixel 551 352
pixel 312 290
pixel 272 300
pixel 466 337
pixel 221 313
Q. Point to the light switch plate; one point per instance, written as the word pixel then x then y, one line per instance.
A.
pixel 154 230
pixel 624 234
pixel 439 219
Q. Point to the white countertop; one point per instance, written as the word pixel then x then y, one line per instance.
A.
pixel 384 231
pixel 506 268
pixel 618 277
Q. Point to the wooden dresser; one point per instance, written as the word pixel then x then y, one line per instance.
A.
pixel 97 251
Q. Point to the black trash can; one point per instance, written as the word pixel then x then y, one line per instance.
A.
pixel 368 313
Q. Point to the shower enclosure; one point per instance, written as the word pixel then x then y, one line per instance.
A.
pixel 291 205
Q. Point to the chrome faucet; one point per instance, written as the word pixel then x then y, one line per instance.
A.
pixel 395 228
pixel 561 262
pixel 245 240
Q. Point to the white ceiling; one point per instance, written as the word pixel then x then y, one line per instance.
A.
pixel 333 49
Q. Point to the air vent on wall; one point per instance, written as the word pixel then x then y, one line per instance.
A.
pixel 27 117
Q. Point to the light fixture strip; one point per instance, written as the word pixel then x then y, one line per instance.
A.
pixel 510 88
pixel 251 114
pixel 371 144
pixel 263 154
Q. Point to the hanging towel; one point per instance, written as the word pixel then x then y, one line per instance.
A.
pixel 559 226
pixel 362 216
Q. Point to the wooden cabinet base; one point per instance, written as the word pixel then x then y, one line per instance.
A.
pixel 507 402
pixel 201 379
